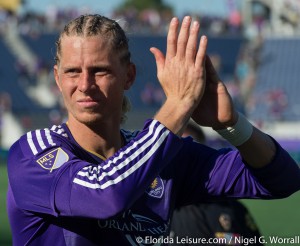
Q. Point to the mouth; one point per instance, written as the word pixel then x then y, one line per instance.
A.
pixel 88 102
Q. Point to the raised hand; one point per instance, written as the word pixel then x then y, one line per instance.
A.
pixel 181 72
pixel 216 107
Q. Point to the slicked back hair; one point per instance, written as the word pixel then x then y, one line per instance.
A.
pixel 96 25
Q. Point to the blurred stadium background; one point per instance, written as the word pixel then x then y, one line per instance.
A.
pixel 255 48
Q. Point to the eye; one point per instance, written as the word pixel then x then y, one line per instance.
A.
pixel 72 72
pixel 100 71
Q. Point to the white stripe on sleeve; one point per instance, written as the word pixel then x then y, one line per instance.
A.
pixel 48 136
pixel 31 144
pixel 128 160
pixel 128 172
pixel 40 139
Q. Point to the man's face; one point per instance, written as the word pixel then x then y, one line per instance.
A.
pixel 92 79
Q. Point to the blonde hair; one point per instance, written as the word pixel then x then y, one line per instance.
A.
pixel 94 25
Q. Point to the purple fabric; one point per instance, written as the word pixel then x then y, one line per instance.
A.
pixel 60 194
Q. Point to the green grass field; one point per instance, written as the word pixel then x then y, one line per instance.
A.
pixel 277 217
pixel 5 234
pixel 274 218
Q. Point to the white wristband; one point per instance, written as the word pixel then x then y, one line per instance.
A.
pixel 239 133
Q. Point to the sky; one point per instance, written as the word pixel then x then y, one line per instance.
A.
pixel 211 7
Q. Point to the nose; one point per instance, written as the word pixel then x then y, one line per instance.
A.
pixel 86 82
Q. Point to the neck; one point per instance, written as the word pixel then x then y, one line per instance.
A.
pixel 104 140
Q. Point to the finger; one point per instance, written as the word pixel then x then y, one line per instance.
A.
pixel 183 36
pixel 211 73
pixel 172 38
pixel 201 53
pixel 192 42
pixel 159 58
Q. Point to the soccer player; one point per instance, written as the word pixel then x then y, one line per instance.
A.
pixel 88 182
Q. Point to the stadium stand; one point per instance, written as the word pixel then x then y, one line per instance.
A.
pixel 274 91
pixel 43 46
pixel 277 85
pixel 25 112
pixel 21 103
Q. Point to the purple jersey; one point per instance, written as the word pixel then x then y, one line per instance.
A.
pixel 62 194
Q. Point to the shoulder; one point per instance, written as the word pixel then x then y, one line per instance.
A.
pixel 39 151
pixel 38 141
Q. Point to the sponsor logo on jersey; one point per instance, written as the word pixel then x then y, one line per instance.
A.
pixel 136 227
pixel 53 159
pixel 156 188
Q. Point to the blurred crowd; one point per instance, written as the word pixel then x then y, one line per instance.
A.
pixel 38 81
pixel 136 22
pixel 145 22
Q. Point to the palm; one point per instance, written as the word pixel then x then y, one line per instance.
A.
pixel 215 108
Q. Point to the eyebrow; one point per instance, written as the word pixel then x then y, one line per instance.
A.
pixel 90 68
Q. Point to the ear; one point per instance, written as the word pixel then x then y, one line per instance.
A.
pixel 130 77
pixel 56 76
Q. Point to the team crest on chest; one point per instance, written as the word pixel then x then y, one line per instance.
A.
pixel 156 188
pixel 53 159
